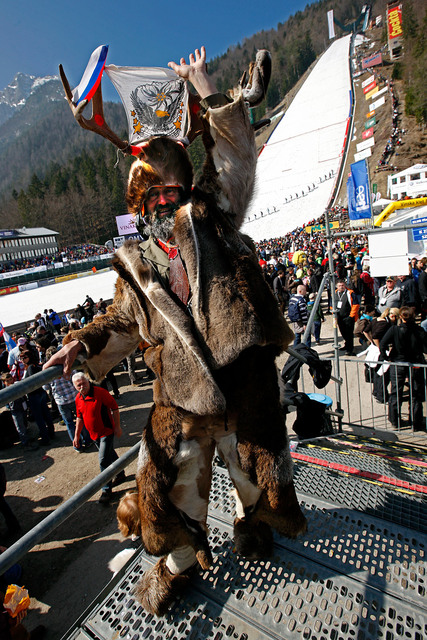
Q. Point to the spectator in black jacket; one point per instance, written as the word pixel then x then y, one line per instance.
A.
pixel 408 344
pixel 409 289
pixel 422 290
pixel 279 289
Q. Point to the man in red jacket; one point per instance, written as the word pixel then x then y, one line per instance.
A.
pixel 98 411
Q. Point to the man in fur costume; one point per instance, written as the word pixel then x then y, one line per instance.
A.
pixel 195 292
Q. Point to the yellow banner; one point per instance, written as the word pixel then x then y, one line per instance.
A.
pixel 72 276
pixel 321 227
pixel 371 93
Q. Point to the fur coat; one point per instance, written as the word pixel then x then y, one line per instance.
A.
pixel 232 307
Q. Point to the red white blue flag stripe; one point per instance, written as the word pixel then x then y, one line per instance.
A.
pixel 10 344
pixel 92 75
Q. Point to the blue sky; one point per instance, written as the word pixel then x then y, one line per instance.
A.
pixel 37 35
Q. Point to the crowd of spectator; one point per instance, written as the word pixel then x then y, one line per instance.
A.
pixel 74 253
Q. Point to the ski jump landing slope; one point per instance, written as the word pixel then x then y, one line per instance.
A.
pixel 298 166
pixel 23 306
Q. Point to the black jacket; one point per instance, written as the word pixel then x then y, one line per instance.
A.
pixel 408 342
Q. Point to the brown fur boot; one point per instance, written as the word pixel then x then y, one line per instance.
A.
pixel 158 587
pixel 253 539
pixel 286 518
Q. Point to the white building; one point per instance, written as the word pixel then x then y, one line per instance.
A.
pixel 410 182
pixel 27 243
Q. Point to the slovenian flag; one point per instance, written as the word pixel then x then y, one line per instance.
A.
pixel 92 75
pixel 10 344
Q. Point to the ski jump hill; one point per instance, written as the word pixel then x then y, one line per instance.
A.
pixel 298 166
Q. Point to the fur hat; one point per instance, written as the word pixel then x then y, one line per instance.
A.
pixel 162 161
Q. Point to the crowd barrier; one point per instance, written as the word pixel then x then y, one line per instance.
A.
pixel 365 395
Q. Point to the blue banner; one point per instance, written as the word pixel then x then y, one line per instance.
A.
pixel 358 192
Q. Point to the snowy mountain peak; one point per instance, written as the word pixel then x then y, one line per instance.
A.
pixel 21 87
pixel 15 95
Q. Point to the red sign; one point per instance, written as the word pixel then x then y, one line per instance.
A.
pixel 368 133
pixel 7 290
pixel 369 87
pixel 394 22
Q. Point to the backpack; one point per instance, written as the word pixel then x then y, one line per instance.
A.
pixel 294 313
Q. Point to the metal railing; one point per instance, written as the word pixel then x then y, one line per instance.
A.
pixel 393 401
pixel 51 522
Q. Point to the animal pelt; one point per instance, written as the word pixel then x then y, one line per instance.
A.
pixel 253 538
pixel 120 559
pixel 158 587
pixel 163 526
pixel 128 515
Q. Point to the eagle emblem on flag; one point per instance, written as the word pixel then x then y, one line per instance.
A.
pixel 158 108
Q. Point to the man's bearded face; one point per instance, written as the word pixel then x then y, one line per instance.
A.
pixel 161 204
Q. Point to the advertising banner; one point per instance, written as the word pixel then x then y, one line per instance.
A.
pixel 377 103
pixel 321 227
pixel 372 61
pixel 371 93
pixel 365 144
pixel 7 290
pixel 394 22
pixel 370 123
pixel 368 81
pixel 126 225
pixel 358 192
pixel 369 87
pixel 370 114
pixel 366 153
pixel 368 133
pixel 381 91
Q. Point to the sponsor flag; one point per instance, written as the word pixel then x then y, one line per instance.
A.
pixel 331 24
pixel 368 133
pixel 358 192
pixel 370 114
pixel 370 123
pixel 155 101
pixel 92 75
pixel 10 344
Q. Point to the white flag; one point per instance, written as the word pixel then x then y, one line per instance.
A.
pixel 155 101
pixel 331 24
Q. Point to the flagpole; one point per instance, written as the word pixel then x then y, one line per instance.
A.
pixel 369 193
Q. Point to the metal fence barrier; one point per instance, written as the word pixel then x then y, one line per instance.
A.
pixel 391 402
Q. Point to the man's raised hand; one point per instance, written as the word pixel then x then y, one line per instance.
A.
pixel 195 72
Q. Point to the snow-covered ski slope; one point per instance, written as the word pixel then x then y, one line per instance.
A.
pixel 23 306
pixel 297 168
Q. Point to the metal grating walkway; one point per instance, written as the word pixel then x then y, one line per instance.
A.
pixel 353 575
